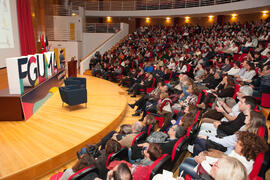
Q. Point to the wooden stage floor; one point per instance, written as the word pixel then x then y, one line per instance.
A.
pixel 50 138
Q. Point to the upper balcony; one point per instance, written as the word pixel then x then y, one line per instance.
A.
pixel 142 8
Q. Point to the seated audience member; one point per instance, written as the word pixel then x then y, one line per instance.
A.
pixel 191 99
pixel 232 49
pixel 249 73
pixel 246 105
pixel 266 50
pixel 253 123
pixel 226 67
pixel 147 83
pixel 127 140
pixel 234 70
pixel 97 70
pixel 153 97
pixel 198 71
pixel 247 147
pixel 219 131
pixel 83 162
pixel 224 112
pixel 119 172
pixel 242 70
pixel 139 77
pixel 125 129
pixel 227 168
pixel 224 89
pixel 167 75
pixel 264 86
pixel 147 121
pixel 213 81
pixel 128 79
pixel 162 106
pixel 148 67
pixel 189 109
pixel 184 83
pixel 151 153
pixel 165 141
pixel 92 156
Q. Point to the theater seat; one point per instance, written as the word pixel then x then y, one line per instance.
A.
pixel 157 167
pixel 141 136
pixel 261 162
pixel 122 154
pixel 84 173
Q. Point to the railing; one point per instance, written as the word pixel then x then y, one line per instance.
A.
pixel 126 5
pixel 112 41
pixel 101 28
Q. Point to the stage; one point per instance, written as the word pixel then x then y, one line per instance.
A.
pixel 50 138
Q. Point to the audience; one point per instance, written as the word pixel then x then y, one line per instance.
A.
pixel 190 60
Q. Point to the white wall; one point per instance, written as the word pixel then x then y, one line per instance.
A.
pixel 92 40
pixel 16 51
pixel 62 27
pixel 124 29
pixel 229 7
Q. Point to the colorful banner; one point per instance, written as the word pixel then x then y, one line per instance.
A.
pixel 30 71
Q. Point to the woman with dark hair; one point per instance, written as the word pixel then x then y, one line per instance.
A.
pixel 224 89
pixel 192 109
pixel 249 73
pixel 198 71
pixel 151 153
pixel 190 100
pixel 83 162
pixel 98 158
pixel 234 70
pixel 125 129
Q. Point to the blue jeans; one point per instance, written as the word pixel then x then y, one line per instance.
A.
pixel 188 167
pixel 130 155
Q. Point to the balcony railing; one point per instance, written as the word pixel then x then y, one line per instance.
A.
pixel 125 5
pixel 101 28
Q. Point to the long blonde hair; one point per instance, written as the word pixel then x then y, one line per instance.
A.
pixel 231 169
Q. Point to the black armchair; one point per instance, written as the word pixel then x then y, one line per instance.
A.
pixel 72 95
pixel 75 81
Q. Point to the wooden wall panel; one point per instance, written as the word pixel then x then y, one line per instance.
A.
pixel 3 78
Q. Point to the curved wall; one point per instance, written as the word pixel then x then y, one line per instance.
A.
pixel 247 6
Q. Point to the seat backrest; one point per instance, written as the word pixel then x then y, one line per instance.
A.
pixel 188 67
pixel 158 166
pixel 263 133
pixel 150 129
pixel 199 98
pixel 236 90
pixel 257 166
pixel 122 154
pixel 262 159
pixel 82 173
pixel 56 176
pixel 177 148
pixel 137 138
pixel 63 94
pixel 154 82
pixel 73 82
pixel 194 123
pixel 265 100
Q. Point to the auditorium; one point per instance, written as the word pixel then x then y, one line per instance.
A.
pixel 134 89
